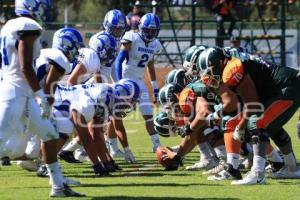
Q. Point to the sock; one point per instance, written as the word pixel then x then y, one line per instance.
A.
pixel 258 163
pixel 233 159
pixel 55 174
pixel 220 151
pixel 290 161
pixel 72 146
pixel 113 144
pixel 155 140
pixel 274 156
pixel 204 151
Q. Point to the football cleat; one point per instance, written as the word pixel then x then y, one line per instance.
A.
pixel 68 181
pixel 109 167
pixel 65 192
pixel 42 171
pixel 117 154
pixel 116 166
pixel 203 164
pixel 285 173
pixel 129 157
pixel 251 178
pixel 29 165
pixel 273 167
pixel 68 156
pixel 5 161
pixel 229 173
pixel 100 171
pixel 220 167
pixel 81 155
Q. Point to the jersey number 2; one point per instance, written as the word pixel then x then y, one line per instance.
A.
pixel 144 59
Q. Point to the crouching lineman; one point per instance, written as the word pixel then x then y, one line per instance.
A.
pixel 138 49
pixel 51 66
pixel 20 113
pixel 78 106
pixel 269 87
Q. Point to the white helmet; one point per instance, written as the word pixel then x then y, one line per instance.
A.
pixel 69 41
pixel 33 8
pixel 105 46
pixel 115 23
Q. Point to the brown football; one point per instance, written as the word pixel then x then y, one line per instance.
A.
pixel 160 153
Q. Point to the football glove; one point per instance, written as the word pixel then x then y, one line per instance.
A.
pixel 44 104
pixel 185 130
pixel 239 134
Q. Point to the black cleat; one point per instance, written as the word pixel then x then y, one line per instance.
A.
pixel 109 167
pixel 42 171
pixel 116 166
pixel 68 156
pixel 100 171
pixel 5 161
pixel 235 173
pixel 274 166
pixel 65 192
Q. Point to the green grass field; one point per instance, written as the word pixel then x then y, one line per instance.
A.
pixel 147 180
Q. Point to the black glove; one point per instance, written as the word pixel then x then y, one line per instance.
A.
pixel 175 163
pixel 185 130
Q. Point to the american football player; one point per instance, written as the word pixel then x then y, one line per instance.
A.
pixel 270 97
pixel 20 46
pixel 138 49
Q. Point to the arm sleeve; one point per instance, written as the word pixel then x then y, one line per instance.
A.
pixel 118 64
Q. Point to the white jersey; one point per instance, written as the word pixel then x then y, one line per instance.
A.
pixel 139 56
pixel 11 72
pixel 88 99
pixel 50 57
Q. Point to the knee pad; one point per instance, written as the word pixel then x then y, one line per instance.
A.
pixel 281 138
pixel 33 148
pixel 15 146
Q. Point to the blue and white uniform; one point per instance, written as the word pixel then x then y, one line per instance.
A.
pixel 90 100
pixel 49 57
pixel 133 67
pixel 19 112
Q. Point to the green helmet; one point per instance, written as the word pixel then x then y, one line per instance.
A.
pixel 208 66
pixel 190 60
pixel 177 76
pixel 164 126
pixel 167 94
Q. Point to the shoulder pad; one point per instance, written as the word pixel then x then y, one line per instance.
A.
pixel 58 57
pixel 233 72
pixel 14 26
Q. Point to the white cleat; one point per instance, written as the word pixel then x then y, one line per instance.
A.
pixel 129 157
pixel 251 178
pixel 203 164
pixel 222 175
pixel 117 154
pixel 29 165
pixel 81 155
pixel 65 192
pixel 68 182
pixel 285 173
pixel 220 167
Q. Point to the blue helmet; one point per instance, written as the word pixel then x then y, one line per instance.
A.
pixel 33 8
pixel 122 102
pixel 149 27
pixel 115 23
pixel 105 46
pixel 69 41
pixel 133 88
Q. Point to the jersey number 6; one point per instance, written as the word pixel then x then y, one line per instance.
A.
pixel 144 59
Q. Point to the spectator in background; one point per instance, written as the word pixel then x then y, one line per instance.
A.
pixel 134 16
pixel 223 10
